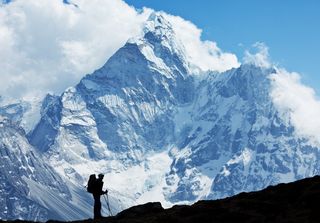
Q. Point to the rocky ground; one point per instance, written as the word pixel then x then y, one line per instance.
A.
pixel 293 202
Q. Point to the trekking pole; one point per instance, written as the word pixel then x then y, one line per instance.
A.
pixel 108 205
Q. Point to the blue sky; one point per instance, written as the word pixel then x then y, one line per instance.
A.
pixel 290 28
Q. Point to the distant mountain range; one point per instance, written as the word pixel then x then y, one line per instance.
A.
pixel 156 130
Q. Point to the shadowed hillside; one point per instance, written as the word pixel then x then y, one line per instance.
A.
pixel 293 202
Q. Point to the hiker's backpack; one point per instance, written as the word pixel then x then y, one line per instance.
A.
pixel 91 182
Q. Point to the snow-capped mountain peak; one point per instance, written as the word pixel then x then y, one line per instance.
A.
pixel 159 132
pixel 158 24
pixel 160 41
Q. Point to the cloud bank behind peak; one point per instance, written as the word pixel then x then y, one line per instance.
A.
pixel 47 46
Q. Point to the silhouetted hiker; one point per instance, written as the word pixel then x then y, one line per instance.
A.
pixel 95 187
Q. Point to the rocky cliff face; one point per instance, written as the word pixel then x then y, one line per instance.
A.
pixel 30 188
pixel 235 140
pixel 161 133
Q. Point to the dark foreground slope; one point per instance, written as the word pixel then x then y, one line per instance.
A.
pixel 293 202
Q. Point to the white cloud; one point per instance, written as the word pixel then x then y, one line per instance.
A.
pixel 47 46
pixel 297 102
pixel 260 57
pixel 204 54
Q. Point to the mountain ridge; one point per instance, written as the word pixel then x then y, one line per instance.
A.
pixel 292 202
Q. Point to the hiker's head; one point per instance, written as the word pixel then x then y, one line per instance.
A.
pixel 101 176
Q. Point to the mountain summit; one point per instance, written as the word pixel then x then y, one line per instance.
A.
pixel 161 133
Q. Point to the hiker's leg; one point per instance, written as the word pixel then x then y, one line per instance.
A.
pixel 97 207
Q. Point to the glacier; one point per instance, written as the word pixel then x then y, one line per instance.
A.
pixel 158 131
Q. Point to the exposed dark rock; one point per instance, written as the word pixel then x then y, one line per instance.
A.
pixel 142 210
